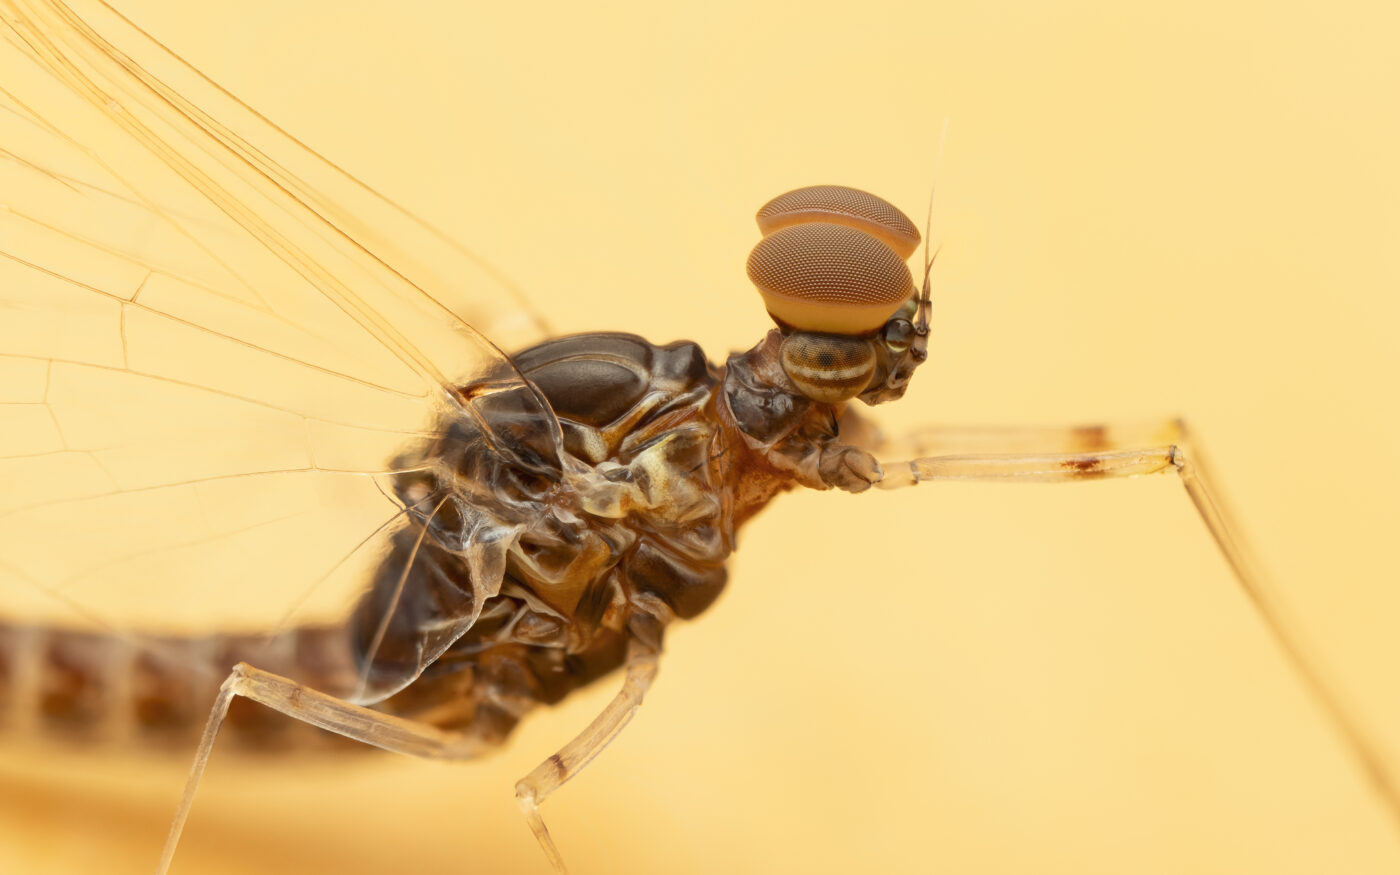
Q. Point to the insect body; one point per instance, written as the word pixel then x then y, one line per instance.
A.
pixel 542 547
pixel 552 511
pixel 607 529
pixel 545 551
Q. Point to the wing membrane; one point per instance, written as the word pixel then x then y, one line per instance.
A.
pixel 212 343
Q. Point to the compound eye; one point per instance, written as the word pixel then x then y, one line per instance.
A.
pixel 898 335
pixel 828 368
pixel 824 277
pixel 840 205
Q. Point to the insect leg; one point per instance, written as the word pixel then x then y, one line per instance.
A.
pixel 319 709
pixel 940 440
pixel 551 774
pixel 1060 454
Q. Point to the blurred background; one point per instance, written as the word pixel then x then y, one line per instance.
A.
pixel 1145 211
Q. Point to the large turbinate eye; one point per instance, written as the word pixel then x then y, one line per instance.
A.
pixel 826 264
pixel 831 270
pixel 840 205
pixel 824 277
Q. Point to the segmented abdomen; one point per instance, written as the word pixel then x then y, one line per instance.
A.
pixel 156 692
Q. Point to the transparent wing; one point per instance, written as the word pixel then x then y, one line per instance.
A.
pixel 213 343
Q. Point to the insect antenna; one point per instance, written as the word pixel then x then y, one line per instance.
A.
pixel 921 321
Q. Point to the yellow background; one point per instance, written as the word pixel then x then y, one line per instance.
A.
pixel 1146 210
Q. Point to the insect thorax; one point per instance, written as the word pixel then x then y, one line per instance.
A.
pixel 662 457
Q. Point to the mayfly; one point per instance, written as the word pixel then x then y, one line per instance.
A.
pixel 511 528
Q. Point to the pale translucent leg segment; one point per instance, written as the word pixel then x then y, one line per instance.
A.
pixel 309 706
pixel 415 739
pixel 963 440
pixel 1025 455
pixel 551 774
